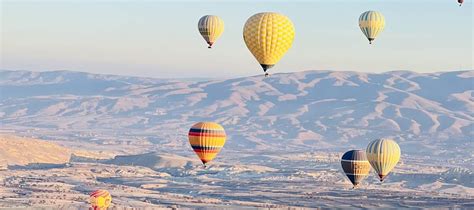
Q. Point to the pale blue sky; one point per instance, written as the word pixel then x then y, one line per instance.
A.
pixel 160 39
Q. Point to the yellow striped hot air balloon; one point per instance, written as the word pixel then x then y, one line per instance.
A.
pixel 268 36
pixel 383 155
pixel 100 199
pixel 355 165
pixel 211 28
pixel 371 23
pixel 206 139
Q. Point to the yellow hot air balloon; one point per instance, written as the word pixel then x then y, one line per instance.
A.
pixel 383 155
pixel 211 28
pixel 371 23
pixel 268 36
pixel 206 139
pixel 100 199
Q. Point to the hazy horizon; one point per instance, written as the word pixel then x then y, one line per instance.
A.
pixel 160 39
pixel 120 104
pixel 228 77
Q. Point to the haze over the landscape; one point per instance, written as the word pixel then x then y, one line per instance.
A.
pixel 285 133
pixel 108 102
pixel 320 109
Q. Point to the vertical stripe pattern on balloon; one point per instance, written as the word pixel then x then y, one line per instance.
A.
pixel 211 28
pixel 383 155
pixel 371 23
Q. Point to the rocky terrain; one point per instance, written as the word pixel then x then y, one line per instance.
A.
pixel 286 134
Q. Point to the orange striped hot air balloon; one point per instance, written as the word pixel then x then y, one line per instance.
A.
pixel 206 139
pixel 100 199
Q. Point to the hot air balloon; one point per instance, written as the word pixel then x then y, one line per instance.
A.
pixel 268 36
pixel 460 2
pixel 211 28
pixel 100 199
pixel 355 166
pixel 206 139
pixel 371 23
pixel 383 155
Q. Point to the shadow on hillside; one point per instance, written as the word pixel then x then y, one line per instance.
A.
pixel 38 166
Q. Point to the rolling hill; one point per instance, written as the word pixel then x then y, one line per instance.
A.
pixel 16 150
pixel 429 113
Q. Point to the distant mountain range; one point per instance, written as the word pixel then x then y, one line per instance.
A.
pixel 308 110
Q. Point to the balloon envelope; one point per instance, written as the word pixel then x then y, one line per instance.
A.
pixel 371 23
pixel 383 155
pixel 268 36
pixel 207 139
pixel 100 199
pixel 355 165
pixel 211 28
